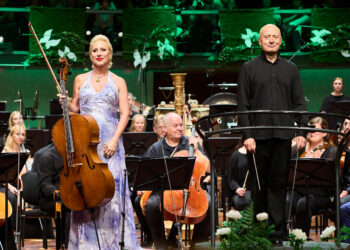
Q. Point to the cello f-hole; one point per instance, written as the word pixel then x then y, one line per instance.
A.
pixel 87 161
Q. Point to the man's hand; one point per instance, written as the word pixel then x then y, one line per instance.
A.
pixel 300 142
pixel 343 194
pixel 240 191
pixel 250 145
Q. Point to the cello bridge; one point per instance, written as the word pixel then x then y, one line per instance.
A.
pixel 75 165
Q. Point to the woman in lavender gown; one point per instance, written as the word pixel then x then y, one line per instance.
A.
pixel 99 93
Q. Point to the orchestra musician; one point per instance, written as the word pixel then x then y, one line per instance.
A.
pixel 173 142
pixel 158 126
pixel 237 175
pixel 318 146
pixel 270 82
pixel 138 124
pixel 98 93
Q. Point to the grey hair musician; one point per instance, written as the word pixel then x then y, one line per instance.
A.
pixel 270 82
pixel 173 142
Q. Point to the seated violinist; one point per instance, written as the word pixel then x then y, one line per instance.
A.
pixel 319 146
pixel 173 142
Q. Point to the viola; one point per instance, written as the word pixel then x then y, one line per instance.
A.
pixel 85 181
pixel 190 205
pixel 2 209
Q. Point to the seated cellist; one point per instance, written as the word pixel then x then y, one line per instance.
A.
pixel 173 142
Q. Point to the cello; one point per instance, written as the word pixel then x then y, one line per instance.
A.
pixel 85 181
pixel 190 206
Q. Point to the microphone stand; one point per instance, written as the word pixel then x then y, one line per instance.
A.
pixel 121 243
pixel 18 233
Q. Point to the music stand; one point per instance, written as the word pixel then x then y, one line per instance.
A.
pixel 3 105
pixel 36 139
pixel 50 120
pixel 4 118
pixel 55 107
pixel 138 143
pixel 221 149
pixel 341 107
pixel 151 173
pixel 8 172
pixel 317 173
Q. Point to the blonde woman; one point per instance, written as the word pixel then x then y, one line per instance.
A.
pixel 138 124
pixel 99 93
pixel 15 119
pixel 14 144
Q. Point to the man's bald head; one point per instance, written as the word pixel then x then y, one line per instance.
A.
pixel 270 39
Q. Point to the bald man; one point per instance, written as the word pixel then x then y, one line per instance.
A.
pixel 270 82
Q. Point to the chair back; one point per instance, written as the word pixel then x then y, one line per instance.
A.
pixel 30 188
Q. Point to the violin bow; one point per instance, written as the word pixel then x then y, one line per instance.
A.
pixel 45 58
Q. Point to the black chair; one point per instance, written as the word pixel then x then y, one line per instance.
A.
pixel 29 206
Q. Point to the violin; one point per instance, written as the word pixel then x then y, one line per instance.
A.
pixel 190 205
pixel 85 181
pixel 2 209
pixel 319 147
pixel 342 161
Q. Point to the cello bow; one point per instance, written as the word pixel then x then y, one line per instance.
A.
pixel 31 28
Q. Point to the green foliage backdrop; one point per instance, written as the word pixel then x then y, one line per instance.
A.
pixel 138 22
pixel 329 19
pixel 234 22
pixel 60 20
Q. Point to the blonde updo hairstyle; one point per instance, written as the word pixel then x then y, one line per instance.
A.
pixel 109 46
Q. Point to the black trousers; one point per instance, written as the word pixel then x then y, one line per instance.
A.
pixel 155 223
pixel 142 219
pixel 272 159
pixel 49 206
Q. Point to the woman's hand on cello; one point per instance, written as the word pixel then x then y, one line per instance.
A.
pixel 110 148
pixel 62 97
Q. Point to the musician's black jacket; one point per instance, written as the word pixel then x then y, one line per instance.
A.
pixel 263 85
pixel 48 164
pixel 156 149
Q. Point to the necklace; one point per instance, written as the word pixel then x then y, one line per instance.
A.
pixel 99 78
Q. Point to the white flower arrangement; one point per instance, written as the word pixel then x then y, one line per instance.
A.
pixel 233 214
pixel 299 234
pixel 223 231
pixel 262 216
pixel 327 232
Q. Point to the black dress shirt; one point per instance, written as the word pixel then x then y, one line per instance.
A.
pixel 263 85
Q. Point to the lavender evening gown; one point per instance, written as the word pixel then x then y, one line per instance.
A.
pixel 102 106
